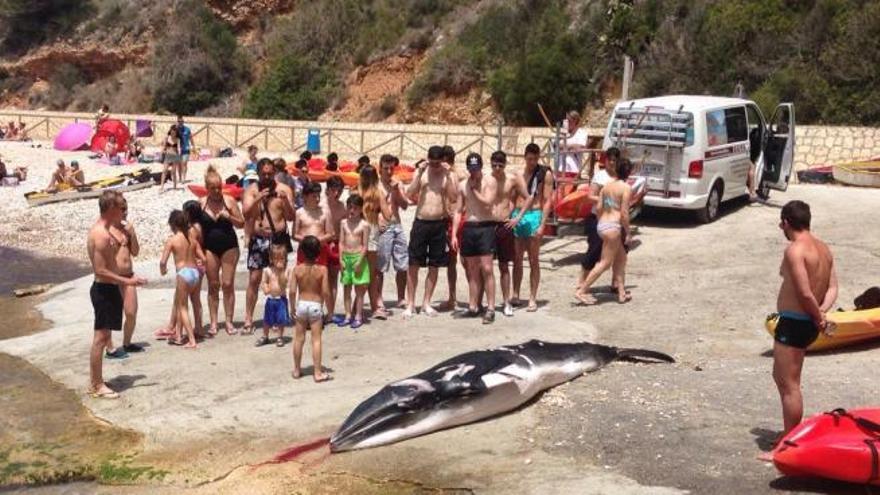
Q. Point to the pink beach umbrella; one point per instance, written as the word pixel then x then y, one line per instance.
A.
pixel 73 136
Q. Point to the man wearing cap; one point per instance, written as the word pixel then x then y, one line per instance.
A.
pixel 431 189
pixel 477 196
pixel 511 189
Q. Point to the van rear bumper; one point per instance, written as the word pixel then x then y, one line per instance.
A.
pixel 689 202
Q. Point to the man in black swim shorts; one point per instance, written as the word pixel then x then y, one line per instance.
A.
pixel 809 289
pixel 105 294
pixel 477 195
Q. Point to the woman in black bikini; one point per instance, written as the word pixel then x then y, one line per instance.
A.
pixel 221 216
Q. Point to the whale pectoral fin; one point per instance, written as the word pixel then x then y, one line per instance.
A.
pixel 514 371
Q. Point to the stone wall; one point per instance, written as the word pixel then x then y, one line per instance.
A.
pixel 820 145
pixel 815 145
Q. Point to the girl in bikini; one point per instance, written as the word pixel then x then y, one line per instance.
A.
pixel 186 256
pixel 613 227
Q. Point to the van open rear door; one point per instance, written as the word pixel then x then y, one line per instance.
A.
pixel 778 151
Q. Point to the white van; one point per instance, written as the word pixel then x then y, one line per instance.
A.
pixel 695 151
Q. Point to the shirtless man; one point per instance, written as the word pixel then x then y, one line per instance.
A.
pixel 392 240
pixel 809 289
pixel 268 206
pixel 451 268
pixel 59 181
pixel 126 238
pixel 105 292
pixel 337 211
pixel 511 191
pixel 477 196
pixel 530 229
pixel 432 185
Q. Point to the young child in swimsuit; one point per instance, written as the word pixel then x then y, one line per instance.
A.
pixel 353 240
pixel 276 314
pixel 188 277
pixel 309 290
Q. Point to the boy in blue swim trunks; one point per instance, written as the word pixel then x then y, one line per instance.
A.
pixel 530 228
pixel 809 289
pixel 276 314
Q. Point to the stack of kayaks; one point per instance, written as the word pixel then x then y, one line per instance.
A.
pixel 233 190
pixel 123 183
pixel 317 171
pixel 839 445
pixel 849 327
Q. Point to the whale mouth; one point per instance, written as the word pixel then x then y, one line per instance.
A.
pixel 391 408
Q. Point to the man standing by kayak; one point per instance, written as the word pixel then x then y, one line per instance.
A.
pixel 809 289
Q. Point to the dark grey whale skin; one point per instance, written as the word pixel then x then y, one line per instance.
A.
pixel 458 382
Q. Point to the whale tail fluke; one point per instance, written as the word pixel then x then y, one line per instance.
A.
pixel 643 356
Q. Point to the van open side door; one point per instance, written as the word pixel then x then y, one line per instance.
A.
pixel 778 151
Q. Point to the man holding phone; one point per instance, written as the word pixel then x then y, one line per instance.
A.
pixel 431 189
pixel 477 197
pixel 269 206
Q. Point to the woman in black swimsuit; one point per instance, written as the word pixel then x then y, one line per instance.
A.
pixel 221 216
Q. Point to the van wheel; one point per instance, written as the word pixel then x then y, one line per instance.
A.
pixel 709 213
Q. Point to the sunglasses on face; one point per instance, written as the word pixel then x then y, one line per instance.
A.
pixel 498 165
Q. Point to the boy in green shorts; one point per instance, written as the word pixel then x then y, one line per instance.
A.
pixel 353 238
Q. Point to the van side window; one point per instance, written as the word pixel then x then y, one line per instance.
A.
pixel 726 126
pixel 737 127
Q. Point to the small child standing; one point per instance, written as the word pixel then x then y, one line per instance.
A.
pixel 353 239
pixel 310 284
pixel 188 277
pixel 276 314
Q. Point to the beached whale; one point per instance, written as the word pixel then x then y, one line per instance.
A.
pixel 470 387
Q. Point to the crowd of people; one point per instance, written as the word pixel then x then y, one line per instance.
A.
pixel 14 132
pixel 469 214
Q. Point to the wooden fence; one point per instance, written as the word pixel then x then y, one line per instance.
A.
pixel 349 140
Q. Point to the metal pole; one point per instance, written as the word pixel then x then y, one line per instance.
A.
pixel 627 77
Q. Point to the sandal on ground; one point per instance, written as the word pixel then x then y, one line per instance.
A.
pixel 103 394
pixel 176 342
pixel 468 313
pixel 489 317
pixel 279 342
pixel 231 332
pixel 133 348
pixel 118 353
pixel 338 319
pixel 261 341
pixel 344 322
pixel 380 314
pixel 247 329
pixel 356 323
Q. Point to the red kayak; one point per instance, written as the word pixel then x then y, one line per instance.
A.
pixel 839 445
pixel 233 190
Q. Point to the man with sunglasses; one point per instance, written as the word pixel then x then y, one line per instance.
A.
pixel 431 189
pixel 511 189
pixel 126 238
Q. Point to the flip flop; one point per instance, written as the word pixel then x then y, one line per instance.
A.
pixel 261 341
pixel 338 319
pixel 325 378
pixel 355 324
pixel 104 395
pixel 532 308
pixel 344 323
pixel 279 342
pixel 381 314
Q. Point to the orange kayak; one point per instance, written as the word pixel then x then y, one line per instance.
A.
pixel 233 190
pixel 576 204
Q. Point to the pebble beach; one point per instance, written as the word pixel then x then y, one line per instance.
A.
pixel 59 229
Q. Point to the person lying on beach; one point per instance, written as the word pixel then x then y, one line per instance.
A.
pixel 188 276
pixel 309 289
pixel 276 314
pixel 19 173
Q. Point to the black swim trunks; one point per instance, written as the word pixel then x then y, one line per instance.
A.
pixel 427 243
pixel 107 303
pixel 260 247
pixel 796 330
pixel 478 238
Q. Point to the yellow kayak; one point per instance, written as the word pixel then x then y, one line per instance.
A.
pixel 851 327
